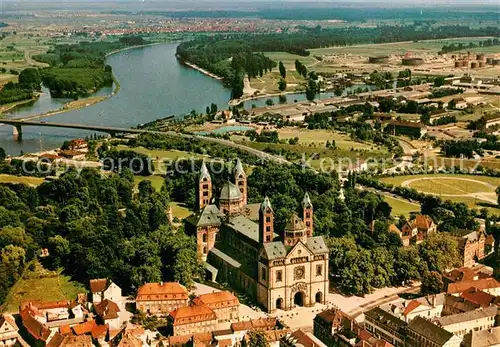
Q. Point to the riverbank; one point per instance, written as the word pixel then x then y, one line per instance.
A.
pixel 13 105
pixel 203 71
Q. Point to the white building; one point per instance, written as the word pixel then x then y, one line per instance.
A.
pixel 464 323
pixel 8 330
pixel 104 289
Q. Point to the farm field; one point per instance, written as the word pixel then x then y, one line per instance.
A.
pixel 401 207
pixel 39 284
pixel 32 181
pixel 428 46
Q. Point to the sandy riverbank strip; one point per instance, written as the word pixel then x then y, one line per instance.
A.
pixel 203 71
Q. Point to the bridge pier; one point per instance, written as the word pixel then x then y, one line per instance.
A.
pixel 17 132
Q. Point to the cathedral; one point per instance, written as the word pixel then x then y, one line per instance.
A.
pixel 280 269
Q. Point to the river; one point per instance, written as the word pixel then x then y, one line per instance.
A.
pixel 153 85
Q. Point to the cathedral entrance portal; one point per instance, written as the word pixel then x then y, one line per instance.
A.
pixel 319 297
pixel 279 304
pixel 298 299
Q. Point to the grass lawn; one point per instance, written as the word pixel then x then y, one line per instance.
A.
pixel 180 210
pixel 42 285
pixel 156 181
pixel 288 59
pixel 32 181
pixel 401 207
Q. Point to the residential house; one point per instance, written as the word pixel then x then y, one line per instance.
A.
pixel 463 323
pixel 192 319
pixel 483 338
pixel 37 331
pixel 456 304
pixel 331 323
pixel 73 155
pixel 161 298
pixel 422 333
pixel 481 298
pixel 472 247
pixel 427 307
pixel 240 329
pixel 98 332
pixel 125 339
pixel 8 330
pixel 104 289
pixel 459 275
pixel 416 230
pixel 386 326
pixel 225 305
pixel 107 311
pixel 488 285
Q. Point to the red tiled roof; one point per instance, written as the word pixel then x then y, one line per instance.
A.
pixel 36 329
pixel 70 341
pixel 411 306
pixel 423 222
pixel 99 285
pixel 107 309
pixel 461 274
pixel 260 324
pixel 129 340
pixel 192 314
pixel 45 305
pixel 159 291
pixel 490 240
pixel 483 283
pixel 65 330
pixel 99 330
pixel 225 343
pixel 83 328
pixel 217 300
pixel 364 335
pixel 479 297
pixel 240 326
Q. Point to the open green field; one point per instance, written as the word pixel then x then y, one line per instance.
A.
pixel 430 46
pixel 318 137
pixel 269 82
pixel 156 181
pixel 42 285
pixel 158 154
pixel 32 181
pixel 401 207
pixel 179 210
pixel 288 59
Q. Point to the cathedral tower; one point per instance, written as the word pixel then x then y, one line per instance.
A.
pixel 307 214
pixel 266 222
pixel 204 187
pixel 240 179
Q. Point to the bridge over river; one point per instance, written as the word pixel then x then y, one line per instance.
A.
pixel 113 131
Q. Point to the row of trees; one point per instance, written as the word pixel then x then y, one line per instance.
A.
pixel 452 47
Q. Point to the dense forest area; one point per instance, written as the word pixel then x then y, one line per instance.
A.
pixel 230 56
pixel 79 69
pixel 94 227
pixel 28 83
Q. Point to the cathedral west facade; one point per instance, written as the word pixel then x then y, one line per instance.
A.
pixel 238 244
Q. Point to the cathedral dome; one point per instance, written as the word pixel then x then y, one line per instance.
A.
pixel 230 192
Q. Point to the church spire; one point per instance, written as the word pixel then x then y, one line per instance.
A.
pixel 306 202
pixel 307 214
pixel 204 187
pixel 204 172
pixel 239 169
